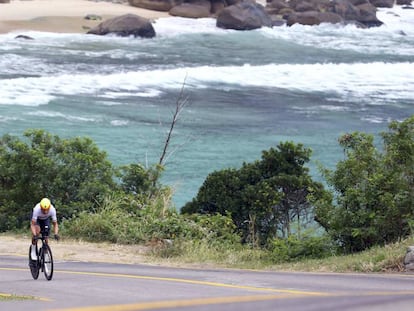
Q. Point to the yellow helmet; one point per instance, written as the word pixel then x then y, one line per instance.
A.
pixel 45 204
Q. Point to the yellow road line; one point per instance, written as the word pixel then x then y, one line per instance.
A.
pixel 14 269
pixel 182 303
pixel 188 281
pixel 142 277
pixel 285 291
pixel 179 303
pixel 208 301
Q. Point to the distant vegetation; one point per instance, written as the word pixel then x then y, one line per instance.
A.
pixel 267 212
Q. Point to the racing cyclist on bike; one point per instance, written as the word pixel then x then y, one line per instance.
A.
pixel 41 215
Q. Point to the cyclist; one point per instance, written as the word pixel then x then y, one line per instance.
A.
pixel 41 215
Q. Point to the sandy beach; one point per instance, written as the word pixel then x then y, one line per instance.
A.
pixel 64 16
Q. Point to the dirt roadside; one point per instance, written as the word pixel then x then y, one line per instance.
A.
pixel 78 250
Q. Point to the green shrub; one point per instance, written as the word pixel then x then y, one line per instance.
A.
pixel 115 222
pixel 90 227
pixel 294 248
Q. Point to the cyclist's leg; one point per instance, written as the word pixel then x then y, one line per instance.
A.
pixel 37 228
pixel 34 242
pixel 37 232
pixel 45 228
pixel 33 252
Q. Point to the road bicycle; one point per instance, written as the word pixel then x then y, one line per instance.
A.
pixel 44 261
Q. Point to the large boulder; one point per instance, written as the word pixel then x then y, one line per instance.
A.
pixel 403 2
pixel 217 6
pixel 277 5
pixel 155 5
pixel 409 259
pixel 197 9
pixel 125 26
pixel 312 18
pixel 368 15
pixel 383 3
pixel 313 12
pixel 363 13
pixel 245 15
pixel 310 5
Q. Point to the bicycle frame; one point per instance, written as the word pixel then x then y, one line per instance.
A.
pixel 44 260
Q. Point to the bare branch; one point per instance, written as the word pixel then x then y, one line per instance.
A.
pixel 181 102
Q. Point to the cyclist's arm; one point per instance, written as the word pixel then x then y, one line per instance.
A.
pixel 33 227
pixel 55 227
pixel 54 221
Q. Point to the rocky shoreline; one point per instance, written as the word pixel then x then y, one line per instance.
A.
pixel 248 14
pixel 135 17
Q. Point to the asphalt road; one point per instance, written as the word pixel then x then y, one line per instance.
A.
pixel 80 286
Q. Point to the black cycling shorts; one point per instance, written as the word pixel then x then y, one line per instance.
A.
pixel 44 226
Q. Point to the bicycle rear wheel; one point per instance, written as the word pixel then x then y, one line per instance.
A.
pixel 47 262
pixel 33 265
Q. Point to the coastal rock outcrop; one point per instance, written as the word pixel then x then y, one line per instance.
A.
pixel 314 12
pixel 192 10
pixel 409 259
pixel 382 3
pixel 155 5
pixel 245 15
pixel 125 26
pixel 24 37
pixel 313 18
pixel 404 2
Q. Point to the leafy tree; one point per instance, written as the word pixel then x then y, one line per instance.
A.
pixel 399 161
pixel 262 197
pixel 74 173
pixel 373 190
pixel 138 180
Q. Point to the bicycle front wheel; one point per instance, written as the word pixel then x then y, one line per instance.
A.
pixel 47 262
pixel 33 265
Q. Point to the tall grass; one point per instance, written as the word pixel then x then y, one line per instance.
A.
pixel 378 259
pixel 155 221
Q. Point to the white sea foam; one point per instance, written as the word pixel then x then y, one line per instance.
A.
pixel 51 114
pixel 109 103
pixel 329 108
pixel 23 98
pixel 142 93
pixel 119 122
pixel 397 18
pixel 375 119
pixel 359 81
pixel 394 37
pixel 8 119
pixel 173 26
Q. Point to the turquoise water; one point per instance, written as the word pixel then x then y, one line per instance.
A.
pixel 247 91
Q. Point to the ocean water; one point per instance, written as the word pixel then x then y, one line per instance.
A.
pixel 246 91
